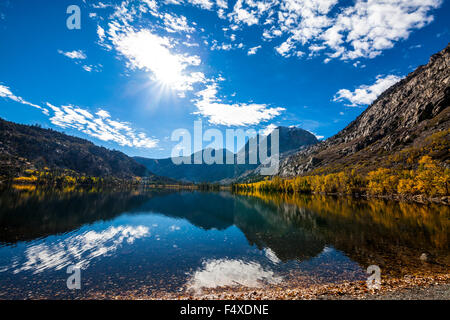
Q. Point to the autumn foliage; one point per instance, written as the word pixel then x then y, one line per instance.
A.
pixel 429 178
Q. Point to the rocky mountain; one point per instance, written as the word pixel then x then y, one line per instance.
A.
pixel 404 116
pixel 31 147
pixel 290 140
pixel 191 172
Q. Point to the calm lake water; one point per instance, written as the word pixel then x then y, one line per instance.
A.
pixel 149 243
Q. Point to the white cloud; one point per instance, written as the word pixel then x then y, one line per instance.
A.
pixel 103 114
pixel 222 4
pixel 205 4
pixel 76 54
pixel 92 68
pixel 241 15
pixel 369 27
pixel 215 45
pixel 238 114
pixel 100 126
pixel 366 94
pixel 304 20
pixel 253 50
pixel 173 1
pixel 250 12
pixel 151 4
pixel 101 5
pixel 5 92
pixel 101 33
pixel 362 29
pixel 284 48
pixel 175 23
pixel 87 68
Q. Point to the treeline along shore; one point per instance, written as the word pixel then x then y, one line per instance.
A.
pixel 429 182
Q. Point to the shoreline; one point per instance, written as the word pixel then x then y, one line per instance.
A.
pixel 445 200
pixel 420 199
pixel 409 288
pixel 404 289
pixel 418 287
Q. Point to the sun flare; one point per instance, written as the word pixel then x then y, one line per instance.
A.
pixel 150 52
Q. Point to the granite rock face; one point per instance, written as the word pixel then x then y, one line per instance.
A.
pixel 404 115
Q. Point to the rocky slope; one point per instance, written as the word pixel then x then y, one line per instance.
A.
pixel 403 116
pixel 31 147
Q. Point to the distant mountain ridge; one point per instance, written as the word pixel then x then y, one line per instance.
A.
pixel 290 140
pixel 24 147
pixel 191 172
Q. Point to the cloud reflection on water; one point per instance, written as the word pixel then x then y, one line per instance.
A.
pixel 271 256
pixel 79 250
pixel 224 272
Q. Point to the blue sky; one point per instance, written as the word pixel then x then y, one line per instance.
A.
pixel 139 69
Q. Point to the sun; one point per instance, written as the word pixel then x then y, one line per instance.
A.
pixel 170 75
pixel 168 70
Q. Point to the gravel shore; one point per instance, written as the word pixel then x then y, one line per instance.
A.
pixel 417 287
pixel 435 287
pixel 433 292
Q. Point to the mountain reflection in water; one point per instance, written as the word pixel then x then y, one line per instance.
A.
pixel 191 240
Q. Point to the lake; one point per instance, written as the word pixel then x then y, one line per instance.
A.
pixel 154 243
